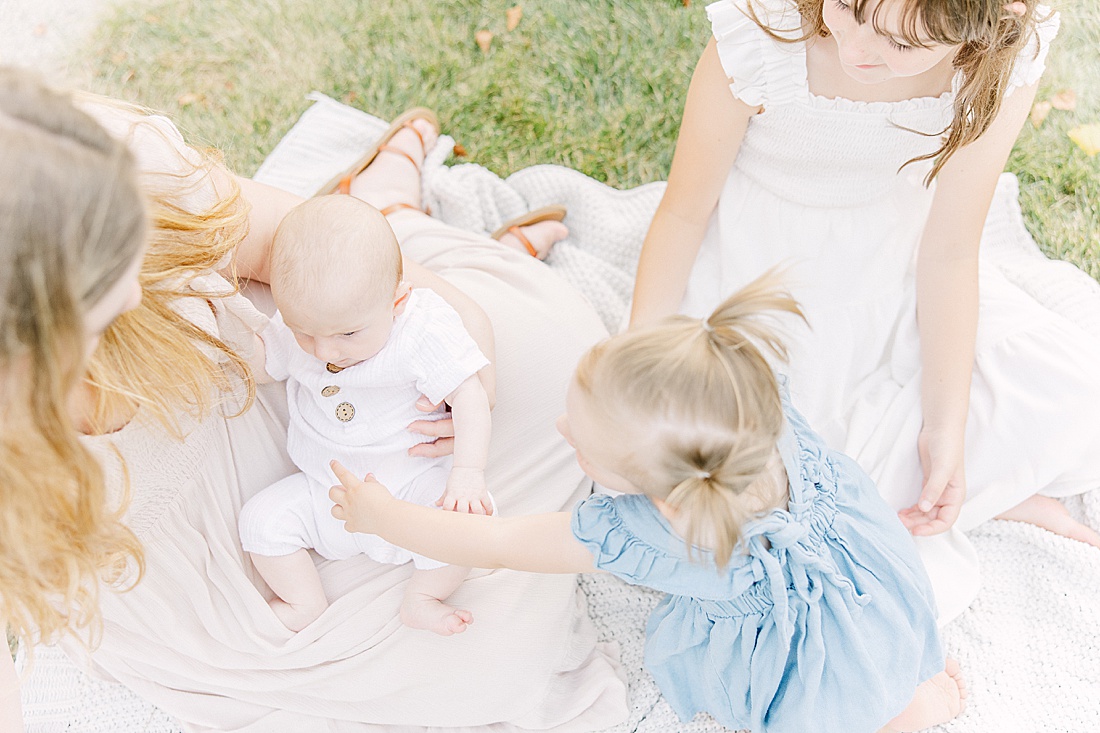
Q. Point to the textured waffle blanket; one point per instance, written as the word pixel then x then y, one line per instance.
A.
pixel 1029 645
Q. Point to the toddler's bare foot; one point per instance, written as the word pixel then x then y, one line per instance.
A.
pixel 391 178
pixel 296 617
pixel 542 237
pixel 1051 514
pixel 937 701
pixel 424 612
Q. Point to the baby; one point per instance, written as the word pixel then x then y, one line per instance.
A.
pixel 357 347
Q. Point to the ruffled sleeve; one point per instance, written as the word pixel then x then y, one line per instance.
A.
pixel 599 525
pixel 278 343
pixel 1032 59
pixel 762 70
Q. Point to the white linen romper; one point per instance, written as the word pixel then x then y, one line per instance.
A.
pixel 816 188
pixel 360 417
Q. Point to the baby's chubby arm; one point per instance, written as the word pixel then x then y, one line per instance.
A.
pixel 538 543
pixel 466 491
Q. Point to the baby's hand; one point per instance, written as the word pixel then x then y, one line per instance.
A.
pixel 353 499
pixel 466 492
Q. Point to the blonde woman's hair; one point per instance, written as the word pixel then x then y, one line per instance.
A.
pixel 155 357
pixel 704 403
pixel 989 37
pixel 72 220
pixel 334 247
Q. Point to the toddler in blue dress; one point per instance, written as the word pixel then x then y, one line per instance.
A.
pixel 796 600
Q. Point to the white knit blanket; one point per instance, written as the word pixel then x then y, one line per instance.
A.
pixel 1029 645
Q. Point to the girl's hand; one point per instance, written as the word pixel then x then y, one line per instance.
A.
pixel 353 499
pixel 442 430
pixel 941 498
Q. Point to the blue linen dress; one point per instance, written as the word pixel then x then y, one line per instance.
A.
pixel 829 629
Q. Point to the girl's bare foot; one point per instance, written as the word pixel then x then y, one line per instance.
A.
pixel 1052 515
pixel 391 178
pixel 421 611
pixel 542 237
pixel 937 701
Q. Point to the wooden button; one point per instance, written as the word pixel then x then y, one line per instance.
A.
pixel 330 390
pixel 333 369
pixel 345 411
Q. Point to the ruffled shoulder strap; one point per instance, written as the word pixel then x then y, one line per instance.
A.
pixel 1032 59
pixel 762 70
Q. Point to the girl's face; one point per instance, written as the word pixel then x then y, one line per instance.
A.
pixel 598 451
pixel 872 56
pixel 124 295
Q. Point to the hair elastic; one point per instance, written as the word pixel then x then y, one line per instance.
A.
pixel 702 474
pixel 706 326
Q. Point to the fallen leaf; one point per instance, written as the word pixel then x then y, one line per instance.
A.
pixel 1087 138
pixel 351 97
pixel 459 150
pixel 687 3
pixel 1039 113
pixel 1065 100
pixel 484 38
pixel 189 98
pixel 514 15
pixel 40 29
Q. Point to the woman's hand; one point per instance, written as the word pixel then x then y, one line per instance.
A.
pixel 355 500
pixel 443 432
pixel 941 498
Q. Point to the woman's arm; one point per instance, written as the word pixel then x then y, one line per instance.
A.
pixel 947 311
pixel 11 709
pixel 539 543
pixel 711 131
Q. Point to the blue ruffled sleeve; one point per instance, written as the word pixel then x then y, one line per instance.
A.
pixel 598 525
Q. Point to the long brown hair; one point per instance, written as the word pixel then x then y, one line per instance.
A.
pixel 989 38
pixel 703 404
pixel 72 221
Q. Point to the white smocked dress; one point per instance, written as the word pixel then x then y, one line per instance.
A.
pixel 816 189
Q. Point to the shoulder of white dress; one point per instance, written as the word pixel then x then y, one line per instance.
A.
pixel 762 70
pixel 1031 61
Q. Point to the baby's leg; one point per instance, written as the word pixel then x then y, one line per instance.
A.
pixel 423 607
pixel 300 599
pixel 937 701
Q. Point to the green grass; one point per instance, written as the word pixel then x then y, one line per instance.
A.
pixel 597 85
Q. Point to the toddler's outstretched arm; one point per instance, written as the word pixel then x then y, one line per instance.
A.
pixel 711 131
pixel 540 543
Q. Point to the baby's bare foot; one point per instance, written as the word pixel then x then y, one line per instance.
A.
pixel 392 178
pixel 542 237
pixel 1052 515
pixel 431 614
pixel 937 701
pixel 296 617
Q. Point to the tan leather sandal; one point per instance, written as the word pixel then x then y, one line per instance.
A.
pixel 554 212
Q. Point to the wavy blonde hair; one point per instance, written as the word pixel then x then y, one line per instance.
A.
pixel 154 357
pixel 989 39
pixel 72 220
pixel 703 401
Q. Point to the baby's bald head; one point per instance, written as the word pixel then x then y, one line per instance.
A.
pixel 331 253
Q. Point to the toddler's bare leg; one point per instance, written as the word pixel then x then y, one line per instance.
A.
pixel 300 597
pixel 423 607
pixel 937 701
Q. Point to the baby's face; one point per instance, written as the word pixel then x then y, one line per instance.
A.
pixel 343 336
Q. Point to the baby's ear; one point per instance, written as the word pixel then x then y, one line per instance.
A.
pixel 401 297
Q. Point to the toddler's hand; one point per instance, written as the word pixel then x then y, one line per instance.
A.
pixel 466 492
pixel 442 430
pixel 353 499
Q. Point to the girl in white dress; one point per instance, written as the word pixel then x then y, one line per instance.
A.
pixel 858 145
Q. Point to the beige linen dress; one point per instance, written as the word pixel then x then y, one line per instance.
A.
pixel 197 638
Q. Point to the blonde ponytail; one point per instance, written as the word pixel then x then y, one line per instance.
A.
pixel 704 402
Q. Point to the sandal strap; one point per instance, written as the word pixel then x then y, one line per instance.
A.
pixel 399 206
pixel 516 232
pixel 391 149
